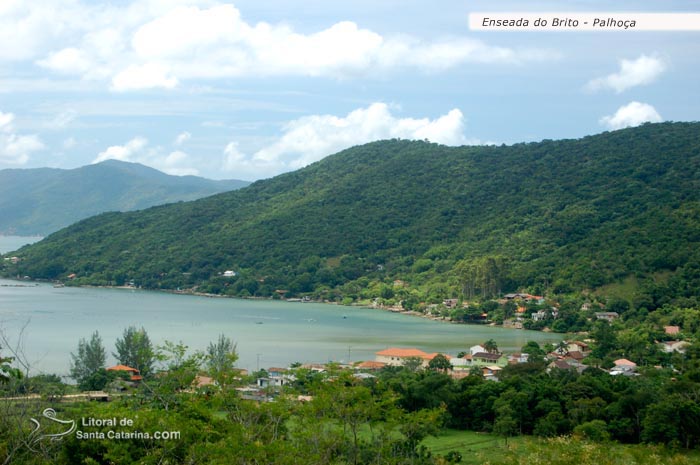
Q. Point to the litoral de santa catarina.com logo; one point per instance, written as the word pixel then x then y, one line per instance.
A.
pixel 49 428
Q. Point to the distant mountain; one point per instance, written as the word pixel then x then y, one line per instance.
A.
pixel 553 216
pixel 43 200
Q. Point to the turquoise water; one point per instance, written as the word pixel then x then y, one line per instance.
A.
pixel 268 333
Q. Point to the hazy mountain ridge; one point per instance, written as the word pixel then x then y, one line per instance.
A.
pixel 42 200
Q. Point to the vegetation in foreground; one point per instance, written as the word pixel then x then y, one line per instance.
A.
pixel 396 415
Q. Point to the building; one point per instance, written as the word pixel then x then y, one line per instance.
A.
pixel 624 367
pixel 607 316
pixel 674 346
pixel 134 374
pixel 672 330
pixel 395 356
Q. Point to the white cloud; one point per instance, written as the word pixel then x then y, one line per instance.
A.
pixel 632 114
pixel 137 150
pixel 644 70
pixel 182 138
pixel 177 163
pixel 147 76
pixel 158 44
pixel 6 121
pixel 127 152
pixel 15 149
pixel 68 60
pixel 311 138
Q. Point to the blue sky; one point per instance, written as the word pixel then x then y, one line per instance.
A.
pixel 251 89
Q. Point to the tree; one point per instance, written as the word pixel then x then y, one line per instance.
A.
pixel 440 363
pixel 491 346
pixel 534 352
pixel 90 359
pixel 134 349
pixel 221 360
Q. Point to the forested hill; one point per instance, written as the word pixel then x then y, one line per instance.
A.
pixel 43 200
pixel 553 216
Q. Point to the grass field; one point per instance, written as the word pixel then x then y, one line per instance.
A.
pixel 483 448
pixel 476 448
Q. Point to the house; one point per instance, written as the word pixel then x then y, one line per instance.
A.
pixel 560 365
pixel 134 373
pixel 450 303
pixel 517 357
pixel 539 315
pixel 370 365
pixel 272 371
pixel 624 367
pixel 527 297
pixel 486 358
pixel 672 330
pixel 674 346
pixel 577 346
pixel 315 367
pixel 607 316
pixel 202 381
pixel 229 274
pixel 491 372
pixel 397 357
pixel 274 381
pixel 476 349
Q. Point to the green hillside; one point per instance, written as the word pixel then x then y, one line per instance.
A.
pixel 550 217
pixel 43 200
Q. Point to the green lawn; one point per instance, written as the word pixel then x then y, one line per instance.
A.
pixel 476 448
pixel 484 448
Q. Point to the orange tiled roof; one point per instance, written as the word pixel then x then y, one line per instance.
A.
pixel 397 352
pixel 371 365
pixel 122 368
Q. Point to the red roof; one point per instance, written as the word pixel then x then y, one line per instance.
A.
pixel 371 365
pixel 122 368
pixel 672 329
pixel 398 352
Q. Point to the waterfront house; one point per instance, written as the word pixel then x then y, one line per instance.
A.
pixel 395 356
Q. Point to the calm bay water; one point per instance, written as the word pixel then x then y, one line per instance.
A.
pixel 268 333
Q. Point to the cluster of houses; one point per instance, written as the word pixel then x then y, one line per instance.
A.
pixel 478 360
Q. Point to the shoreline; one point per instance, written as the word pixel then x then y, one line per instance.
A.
pixel 411 313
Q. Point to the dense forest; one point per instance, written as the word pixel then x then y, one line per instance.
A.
pixel 551 217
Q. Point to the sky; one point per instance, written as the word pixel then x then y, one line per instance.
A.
pixel 252 89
